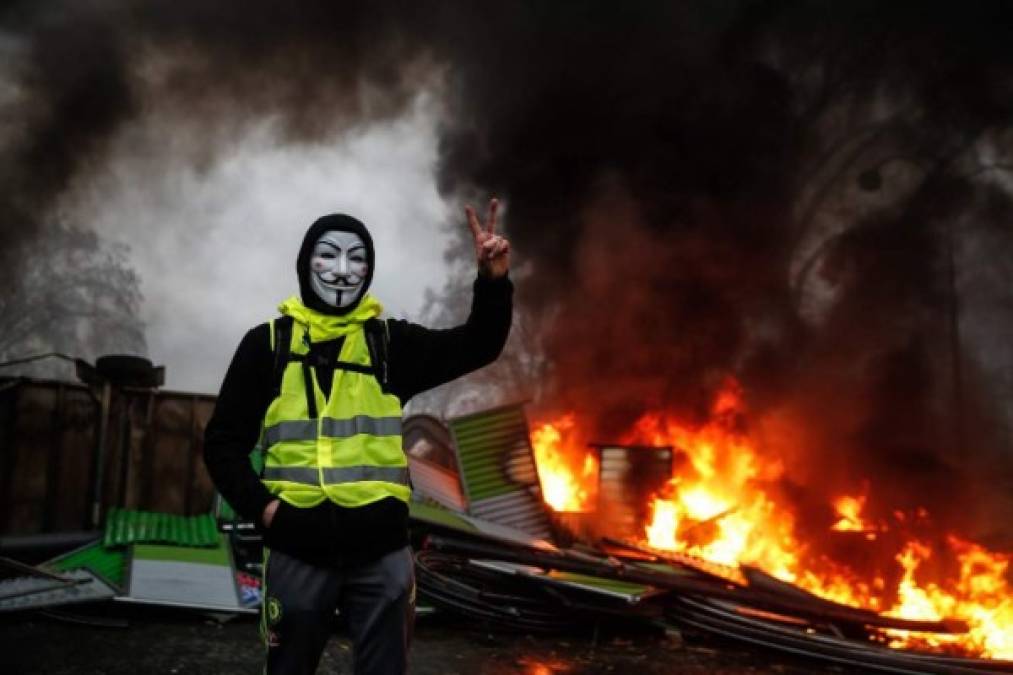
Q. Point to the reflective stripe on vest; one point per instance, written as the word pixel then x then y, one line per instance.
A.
pixel 292 430
pixel 306 430
pixel 309 475
pixel 361 424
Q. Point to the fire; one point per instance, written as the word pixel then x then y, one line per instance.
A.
pixel 980 595
pixel 722 505
pixel 849 517
pixel 713 509
pixel 567 474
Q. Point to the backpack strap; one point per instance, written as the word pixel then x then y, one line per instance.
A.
pixel 377 336
pixel 378 343
pixel 283 356
pixel 281 339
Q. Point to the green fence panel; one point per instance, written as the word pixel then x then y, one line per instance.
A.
pixel 125 527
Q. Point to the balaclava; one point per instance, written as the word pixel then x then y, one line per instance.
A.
pixel 311 280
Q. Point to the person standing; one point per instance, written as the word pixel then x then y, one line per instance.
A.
pixel 321 389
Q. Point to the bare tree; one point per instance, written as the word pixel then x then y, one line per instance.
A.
pixel 67 291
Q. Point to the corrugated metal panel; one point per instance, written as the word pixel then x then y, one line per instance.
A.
pixel 519 510
pixel 498 470
pixel 493 452
pixel 629 475
pixel 430 481
pixel 428 438
pixel 108 563
pixel 130 527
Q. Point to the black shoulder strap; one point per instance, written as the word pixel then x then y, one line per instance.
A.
pixel 378 344
pixel 282 347
pixel 377 341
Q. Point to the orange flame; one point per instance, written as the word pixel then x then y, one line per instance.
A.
pixel 720 505
pixel 567 474
pixel 712 509
pixel 980 595
pixel 849 517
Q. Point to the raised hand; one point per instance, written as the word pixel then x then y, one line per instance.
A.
pixel 491 250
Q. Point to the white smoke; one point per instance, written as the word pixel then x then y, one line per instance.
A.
pixel 215 245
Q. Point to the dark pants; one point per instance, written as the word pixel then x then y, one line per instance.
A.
pixel 376 599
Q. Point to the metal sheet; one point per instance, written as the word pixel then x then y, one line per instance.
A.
pixel 125 527
pixel 628 476
pixel 428 438
pixel 498 470
pixel 612 588
pixel 17 587
pixel 26 593
pixel 178 576
pixel 107 563
pixel 435 515
pixel 465 524
pixel 430 481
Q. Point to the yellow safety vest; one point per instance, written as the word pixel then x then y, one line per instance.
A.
pixel 351 452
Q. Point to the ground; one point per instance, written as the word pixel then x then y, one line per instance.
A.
pixel 157 641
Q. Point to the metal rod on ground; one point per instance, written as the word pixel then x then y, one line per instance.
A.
pixel 698 565
pixel 744 575
pixel 687 585
pixel 709 618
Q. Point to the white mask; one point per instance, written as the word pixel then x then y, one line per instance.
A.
pixel 338 268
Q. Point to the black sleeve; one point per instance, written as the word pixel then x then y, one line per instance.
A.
pixel 234 427
pixel 422 358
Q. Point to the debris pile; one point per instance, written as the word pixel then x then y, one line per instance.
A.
pixel 501 568
pixel 141 557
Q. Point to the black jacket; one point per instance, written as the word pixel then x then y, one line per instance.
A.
pixel 419 358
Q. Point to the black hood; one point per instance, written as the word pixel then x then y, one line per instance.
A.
pixel 342 223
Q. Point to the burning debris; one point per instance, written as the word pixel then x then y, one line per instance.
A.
pixel 714 544
pixel 725 502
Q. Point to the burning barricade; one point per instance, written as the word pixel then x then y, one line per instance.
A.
pixel 696 527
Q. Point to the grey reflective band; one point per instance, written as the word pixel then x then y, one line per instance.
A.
pixel 361 424
pixel 306 430
pixel 354 474
pixel 295 430
pixel 308 475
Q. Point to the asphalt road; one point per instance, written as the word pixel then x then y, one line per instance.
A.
pixel 155 641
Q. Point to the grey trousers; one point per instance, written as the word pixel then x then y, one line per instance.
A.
pixel 376 599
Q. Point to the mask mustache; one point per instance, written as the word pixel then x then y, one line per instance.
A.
pixel 335 278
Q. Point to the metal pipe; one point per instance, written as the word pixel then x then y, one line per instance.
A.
pixel 98 470
pixel 125 432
